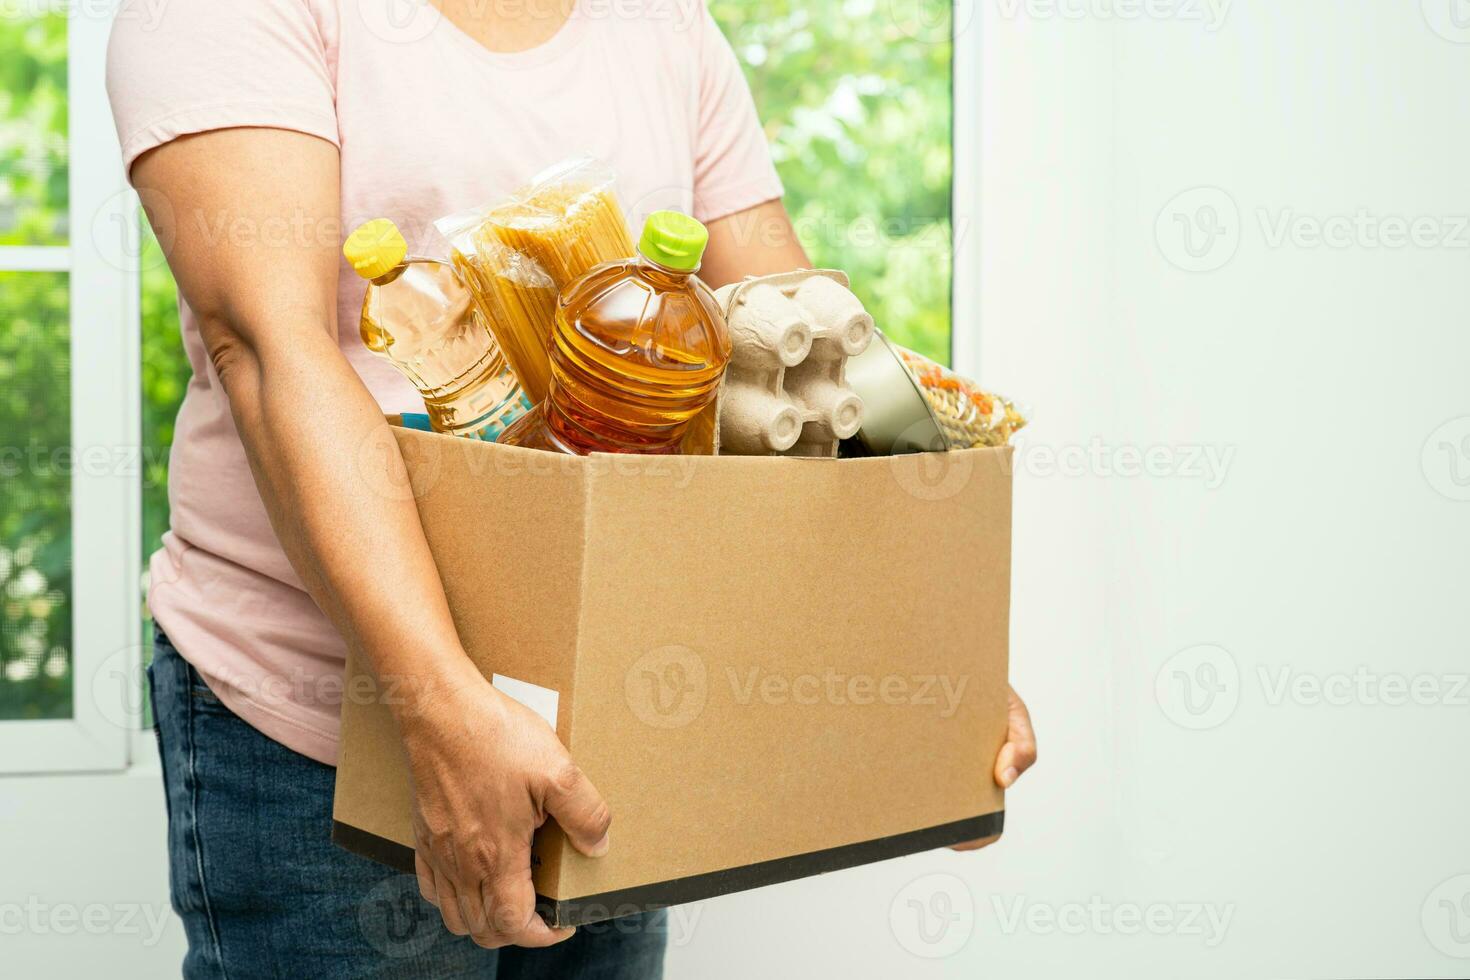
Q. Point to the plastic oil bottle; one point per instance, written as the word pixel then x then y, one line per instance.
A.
pixel 419 316
pixel 638 349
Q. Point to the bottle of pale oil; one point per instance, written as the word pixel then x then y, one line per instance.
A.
pixel 419 316
pixel 638 349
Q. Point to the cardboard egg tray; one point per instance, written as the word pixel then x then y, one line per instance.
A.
pixel 785 392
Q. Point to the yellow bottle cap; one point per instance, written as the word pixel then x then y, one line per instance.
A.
pixel 374 248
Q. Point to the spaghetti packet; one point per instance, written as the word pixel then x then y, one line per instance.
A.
pixel 516 255
pixel 514 295
pixel 567 219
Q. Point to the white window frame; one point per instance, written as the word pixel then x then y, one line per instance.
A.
pixel 102 262
pixel 105 433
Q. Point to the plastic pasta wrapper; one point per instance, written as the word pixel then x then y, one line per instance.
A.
pixel 514 295
pixel 567 219
pixel 518 254
pixel 969 416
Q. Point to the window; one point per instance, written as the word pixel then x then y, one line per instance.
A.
pixel 68 524
pixel 35 514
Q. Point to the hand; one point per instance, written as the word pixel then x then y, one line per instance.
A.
pixel 486 772
pixel 1016 756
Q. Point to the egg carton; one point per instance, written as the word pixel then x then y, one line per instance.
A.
pixel 785 391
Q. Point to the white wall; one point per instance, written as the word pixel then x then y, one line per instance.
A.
pixel 84 877
pixel 1278 837
pixel 1322 831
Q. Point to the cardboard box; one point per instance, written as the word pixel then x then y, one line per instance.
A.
pixel 771 667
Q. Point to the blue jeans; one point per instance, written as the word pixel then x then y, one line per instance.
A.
pixel 263 891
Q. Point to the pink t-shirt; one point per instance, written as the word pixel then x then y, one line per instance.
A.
pixel 428 123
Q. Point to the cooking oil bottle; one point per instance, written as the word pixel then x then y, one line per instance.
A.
pixel 637 351
pixel 419 316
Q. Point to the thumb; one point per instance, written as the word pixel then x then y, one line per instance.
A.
pixel 579 810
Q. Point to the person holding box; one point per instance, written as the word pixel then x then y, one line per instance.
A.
pixel 255 134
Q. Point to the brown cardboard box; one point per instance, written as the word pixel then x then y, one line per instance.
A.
pixel 770 667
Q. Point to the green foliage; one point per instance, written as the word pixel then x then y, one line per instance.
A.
pixel 35 509
pixel 35 461
pixel 33 191
pixel 856 105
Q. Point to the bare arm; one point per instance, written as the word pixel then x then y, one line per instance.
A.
pixel 754 242
pixel 253 215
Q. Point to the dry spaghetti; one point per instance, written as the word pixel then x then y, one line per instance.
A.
pixel 518 300
pixel 517 255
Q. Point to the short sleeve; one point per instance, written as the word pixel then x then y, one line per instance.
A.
pixel 733 170
pixel 189 66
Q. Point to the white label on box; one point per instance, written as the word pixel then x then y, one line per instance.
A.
pixel 542 700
